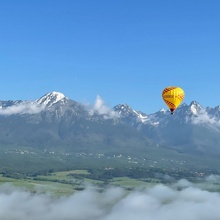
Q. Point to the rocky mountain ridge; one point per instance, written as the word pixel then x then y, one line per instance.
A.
pixel 55 120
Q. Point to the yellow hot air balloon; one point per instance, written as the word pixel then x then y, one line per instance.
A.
pixel 173 96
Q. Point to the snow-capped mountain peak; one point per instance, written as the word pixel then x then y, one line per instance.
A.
pixel 50 99
pixel 195 107
pixel 163 110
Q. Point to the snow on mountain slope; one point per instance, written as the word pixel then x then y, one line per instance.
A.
pixel 11 107
pixel 193 113
pixel 190 125
pixel 196 108
pixel 185 114
pixel 142 116
pixel 51 98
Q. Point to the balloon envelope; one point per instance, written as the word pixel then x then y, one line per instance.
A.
pixel 173 96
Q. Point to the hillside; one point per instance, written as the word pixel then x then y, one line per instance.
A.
pixel 58 132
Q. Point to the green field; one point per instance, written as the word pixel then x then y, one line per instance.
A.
pixel 63 174
pixel 63 183
pixel 67 182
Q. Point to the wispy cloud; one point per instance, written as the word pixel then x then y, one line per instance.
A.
pixel 22 108
pixel 203 117
pixel 200 119
pixel 159 203
pixel 100 108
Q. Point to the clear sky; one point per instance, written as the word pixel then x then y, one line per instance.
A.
pixel 125 51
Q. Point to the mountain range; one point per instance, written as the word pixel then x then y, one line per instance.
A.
pixel 58 123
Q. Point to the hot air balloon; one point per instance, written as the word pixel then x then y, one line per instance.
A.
pixel 173 96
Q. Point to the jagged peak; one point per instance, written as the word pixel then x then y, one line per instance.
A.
pixel 194 103
pixel 51 98
pixel 217 108
pixel 195 107
pixel 123 107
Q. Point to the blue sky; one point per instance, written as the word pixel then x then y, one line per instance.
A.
pixel 124 51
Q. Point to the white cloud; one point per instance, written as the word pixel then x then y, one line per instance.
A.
pixel 200 119
pixel 22 108
pixel 203 117
pixel 213 178
pixel 159 202
pixel 102 109
pixel 183 183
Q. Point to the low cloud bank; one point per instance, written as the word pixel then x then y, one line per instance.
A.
pixel 181 201
pixel 202 118
pixel 22 108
